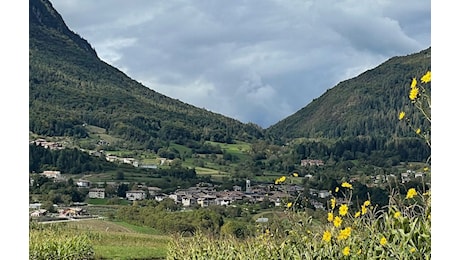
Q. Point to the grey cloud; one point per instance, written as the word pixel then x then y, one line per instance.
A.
pixel 257 61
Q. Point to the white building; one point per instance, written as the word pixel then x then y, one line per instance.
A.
pixel 96 193
pixel 135 195
pixel 188 201
pixel 83 183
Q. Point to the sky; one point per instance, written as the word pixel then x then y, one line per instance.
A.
pixel 257 61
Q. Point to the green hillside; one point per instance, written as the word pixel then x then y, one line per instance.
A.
pixel 367 105
pixel 69 86
pixel 76 97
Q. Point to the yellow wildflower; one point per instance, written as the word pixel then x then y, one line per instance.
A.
pixel 357 214
pixel 347 185
pixel 411 193
pixel 289 205
pixel 367 203
pixel 327 236
pixel 330 216
pixel 413 94
pixel 295 174
pixel 413 83
pixel 363 210
pixel 397 214
pixel 402 115
pixel 418 131
pixel 427 77
pixel 337 221
pixel 346 251
pixel 383 241
pixel 282 179
pixel 343 210
pixel 336 189
pixel 412 250
pixel 333 203
pixel 344 233
pixel 426 169
pixel 359 252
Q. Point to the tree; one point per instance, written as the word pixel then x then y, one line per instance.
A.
pixel 168 205
pixel 110 191
pixel 120 175
pixel 122 189
pixel 176 163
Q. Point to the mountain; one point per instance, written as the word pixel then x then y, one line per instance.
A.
pixel 70 88
pixel 72 92
pixel 367 105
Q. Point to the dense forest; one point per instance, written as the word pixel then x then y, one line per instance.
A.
pixel 68 161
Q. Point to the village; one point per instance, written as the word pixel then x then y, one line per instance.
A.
pixel 206 194
pixel 203 194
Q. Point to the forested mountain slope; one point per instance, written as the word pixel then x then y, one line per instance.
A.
pixel 69 86
pixel 367 105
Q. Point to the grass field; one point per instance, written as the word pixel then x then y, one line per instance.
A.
pixel 122 241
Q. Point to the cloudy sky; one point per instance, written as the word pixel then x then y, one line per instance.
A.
pixel 256 61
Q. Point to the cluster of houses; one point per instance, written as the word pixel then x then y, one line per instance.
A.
pixel 205 194
pixel 48 144
pixel 311 162
pixel 404 177
pixel 68 213
pixel 108 157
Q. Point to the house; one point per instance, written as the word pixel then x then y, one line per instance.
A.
pixel 175 197
pixel 71 212
pixel 35 206
pixel 323 194
pixel 236 188
pixel 206 200
pixel 135 195
pixel 148 166
pixel 405 177
pixel 310 162
pixel 223 201
pixel 262 220
pixel 52 174
pixel 111 158
pixel 160 197
pixel 154 190
pixel 188 201
pixel 129 160
pixel 419 175
pixel 83 183
pixel 164 161
pixel 38 213
pixel 96 193
pixel 55 175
